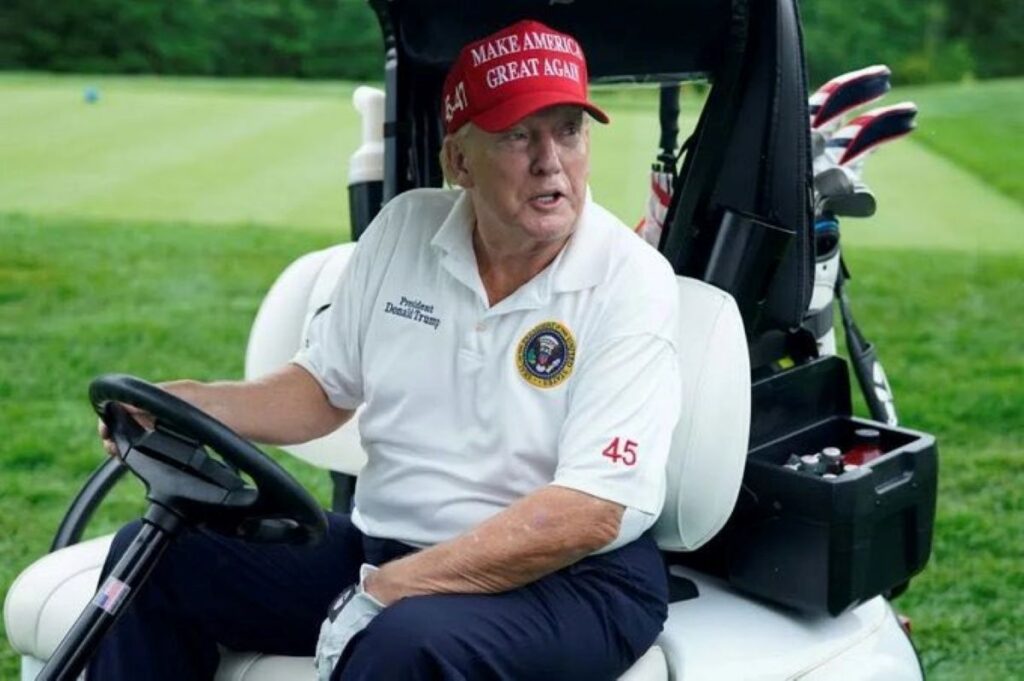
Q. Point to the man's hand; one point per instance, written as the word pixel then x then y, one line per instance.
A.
pixel 144 419
pixel 348 615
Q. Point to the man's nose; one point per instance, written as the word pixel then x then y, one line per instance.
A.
pixel 545 156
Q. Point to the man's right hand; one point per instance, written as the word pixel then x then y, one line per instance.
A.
pixel 143 418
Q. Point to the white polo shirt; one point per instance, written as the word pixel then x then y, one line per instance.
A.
pixel 572 380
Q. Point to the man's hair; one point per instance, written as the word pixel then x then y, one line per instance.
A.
pixel 457 137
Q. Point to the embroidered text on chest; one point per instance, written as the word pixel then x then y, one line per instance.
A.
pixel 415 310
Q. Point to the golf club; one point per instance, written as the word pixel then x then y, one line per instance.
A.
pixel 839 191
pixel 870 375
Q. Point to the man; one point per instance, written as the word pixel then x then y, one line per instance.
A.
pixel 513 347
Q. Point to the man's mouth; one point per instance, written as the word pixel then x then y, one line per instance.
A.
pixel 547 199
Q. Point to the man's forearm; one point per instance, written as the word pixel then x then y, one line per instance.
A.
pixel 539 534
pixel 285 407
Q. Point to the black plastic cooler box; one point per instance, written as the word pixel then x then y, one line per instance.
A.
pixel 817 544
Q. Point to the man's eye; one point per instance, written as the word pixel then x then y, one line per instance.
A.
pixel 515 136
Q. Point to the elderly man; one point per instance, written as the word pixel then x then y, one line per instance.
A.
pixel 513 347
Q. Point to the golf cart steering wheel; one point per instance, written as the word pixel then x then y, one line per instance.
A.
pixel 181 477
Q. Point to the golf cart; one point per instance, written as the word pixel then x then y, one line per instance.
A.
pixel 776 572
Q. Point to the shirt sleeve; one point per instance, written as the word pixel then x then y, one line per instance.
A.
pixel 614 444
pixel 334 340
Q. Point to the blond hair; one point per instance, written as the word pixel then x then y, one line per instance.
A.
pixel 458 137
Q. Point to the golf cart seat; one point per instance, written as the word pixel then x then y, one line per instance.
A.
pixel 705 468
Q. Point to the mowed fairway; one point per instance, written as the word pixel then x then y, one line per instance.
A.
pixel 140 233
pixel 177 150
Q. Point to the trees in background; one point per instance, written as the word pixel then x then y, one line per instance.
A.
pixel 292 38
pixel 922 40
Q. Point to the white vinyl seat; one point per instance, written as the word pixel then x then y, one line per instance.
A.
pixel 705 466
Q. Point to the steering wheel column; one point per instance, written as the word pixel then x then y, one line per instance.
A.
pixel 185 486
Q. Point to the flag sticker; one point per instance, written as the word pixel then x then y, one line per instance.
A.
pixel 111 595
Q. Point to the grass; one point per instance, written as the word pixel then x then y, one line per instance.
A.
pixel 977 125
pixel 939 320
pixel 139 235
pixel 178 150
pixel 80 298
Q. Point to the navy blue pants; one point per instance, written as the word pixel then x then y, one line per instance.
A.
pixel 590 621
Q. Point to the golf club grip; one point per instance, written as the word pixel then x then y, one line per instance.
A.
pixel 668 115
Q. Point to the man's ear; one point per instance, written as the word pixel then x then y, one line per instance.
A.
pixel 459 164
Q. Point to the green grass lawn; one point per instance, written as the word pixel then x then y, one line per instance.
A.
pixel 140 234
pixel 261 152
pixel 978 125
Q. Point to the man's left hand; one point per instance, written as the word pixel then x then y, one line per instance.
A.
pixel 348 615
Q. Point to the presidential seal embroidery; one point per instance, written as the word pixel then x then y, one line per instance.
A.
pixel 546 354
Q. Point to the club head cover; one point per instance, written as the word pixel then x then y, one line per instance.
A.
pixel 870 130
pixel 846 92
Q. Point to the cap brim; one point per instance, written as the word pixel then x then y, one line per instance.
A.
pixel 515 109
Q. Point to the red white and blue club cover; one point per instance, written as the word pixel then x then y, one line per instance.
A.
pixel 846 92
pixel 871 129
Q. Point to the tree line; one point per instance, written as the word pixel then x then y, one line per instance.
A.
pixel 275 38
pixel 922 40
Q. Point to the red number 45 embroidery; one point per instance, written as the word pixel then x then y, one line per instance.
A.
pixel 627 454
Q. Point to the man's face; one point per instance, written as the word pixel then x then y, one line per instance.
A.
pixel 528 183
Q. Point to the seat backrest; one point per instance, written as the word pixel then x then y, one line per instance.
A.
pixel 709 445
pixel 280 329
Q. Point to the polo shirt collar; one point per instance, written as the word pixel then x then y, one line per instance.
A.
pixel 455 241
pixel 455 236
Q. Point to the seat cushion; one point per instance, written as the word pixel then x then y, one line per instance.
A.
pixel 709 444
pixel 48 596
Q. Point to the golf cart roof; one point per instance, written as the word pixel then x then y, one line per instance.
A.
pixel 741 214
pixel 646 40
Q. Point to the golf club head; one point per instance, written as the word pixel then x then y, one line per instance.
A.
pixel 839 192
pixel 833 181
pixel 845 92
pixel 859 203
pixel 871 129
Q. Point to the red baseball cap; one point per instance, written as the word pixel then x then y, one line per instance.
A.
pixel 501 79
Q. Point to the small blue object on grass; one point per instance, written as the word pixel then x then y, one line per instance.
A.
pixel 91 95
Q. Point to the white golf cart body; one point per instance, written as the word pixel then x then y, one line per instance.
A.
pixel 715 634
pixel 745 288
